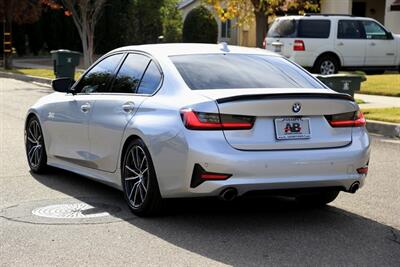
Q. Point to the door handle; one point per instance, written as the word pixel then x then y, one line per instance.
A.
pixel 340 44
pixel 85 107
pixel 128 107
pixel 372 44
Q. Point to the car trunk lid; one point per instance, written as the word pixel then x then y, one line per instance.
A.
pixel 274 114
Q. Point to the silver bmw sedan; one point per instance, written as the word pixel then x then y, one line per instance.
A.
pixel 190 120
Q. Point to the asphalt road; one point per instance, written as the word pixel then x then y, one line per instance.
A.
pixel 356 230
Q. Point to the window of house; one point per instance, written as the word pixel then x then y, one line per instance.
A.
pixel 226 29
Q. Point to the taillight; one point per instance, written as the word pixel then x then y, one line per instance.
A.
pixel 264 45
pixel 363 170
pixel 298 45
pixel 213 121
pixel 200 176
pixel 348 119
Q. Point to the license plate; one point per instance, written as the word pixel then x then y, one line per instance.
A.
pixel 292 128
pixel 278 49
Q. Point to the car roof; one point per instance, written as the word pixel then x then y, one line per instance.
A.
pixel 175 49
pixel 323 16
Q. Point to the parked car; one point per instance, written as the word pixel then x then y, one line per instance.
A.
pixel 193 120
pixel 328 43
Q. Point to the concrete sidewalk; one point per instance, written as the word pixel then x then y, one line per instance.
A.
pixel 39 63
pixel 377 101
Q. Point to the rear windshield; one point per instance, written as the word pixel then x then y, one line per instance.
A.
pixel 283 28
pixel 303 28
pixel 238 71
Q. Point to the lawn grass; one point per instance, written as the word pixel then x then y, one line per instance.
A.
pixel 43 73
pixel 360 101
pixel 382 114
pixel 385 84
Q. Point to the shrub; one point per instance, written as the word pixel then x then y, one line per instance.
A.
pixel 200 27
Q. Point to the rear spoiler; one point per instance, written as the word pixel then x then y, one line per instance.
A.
pixel 285 95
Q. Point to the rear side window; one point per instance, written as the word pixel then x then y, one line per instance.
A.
pixel 97 78
pixel 234 71
pixel 350 29
pixel 314 28
pixel 151 80
pixel 130 74
pixel 283 28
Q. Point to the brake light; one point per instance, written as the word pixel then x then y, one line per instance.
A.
pixel 213 121
pixel 264 45
pixel 363 170
pixel 298 45
pixel 349 119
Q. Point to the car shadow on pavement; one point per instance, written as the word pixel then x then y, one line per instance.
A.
pixel 252 231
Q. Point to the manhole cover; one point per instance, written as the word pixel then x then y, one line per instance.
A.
pixel 85 210
pixel 71 211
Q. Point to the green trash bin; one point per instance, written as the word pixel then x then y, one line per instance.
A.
pixel 64 62
pixel 343 83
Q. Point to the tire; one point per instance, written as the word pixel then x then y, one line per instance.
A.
pixel 139 181
pixel 318 199
pixel 326 65
pixel 34 146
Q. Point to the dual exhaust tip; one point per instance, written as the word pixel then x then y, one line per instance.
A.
pixel 354 187
pixel 228 194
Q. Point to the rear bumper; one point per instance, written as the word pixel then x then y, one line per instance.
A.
pixel 267 170
pixel 302 58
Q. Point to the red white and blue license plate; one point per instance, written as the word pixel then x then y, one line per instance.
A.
pixel 292 128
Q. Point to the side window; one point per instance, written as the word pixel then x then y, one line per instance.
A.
pixel 350 29
pixel 314 28
pixel 151 80
pixel 373 30
pixel 130 73
pixel 97 78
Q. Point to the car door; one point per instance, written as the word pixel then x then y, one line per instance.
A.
pixel 137 78
pixel 68 118
pixel 381 47
pixel 350 43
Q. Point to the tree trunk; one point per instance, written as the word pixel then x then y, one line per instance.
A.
pixel 261 27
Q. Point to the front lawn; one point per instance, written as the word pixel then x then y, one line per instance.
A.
pixel 43 73
pixel 385 84
pixel 382 114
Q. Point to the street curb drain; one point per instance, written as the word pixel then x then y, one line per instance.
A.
pixel 69 211
pixel 72 211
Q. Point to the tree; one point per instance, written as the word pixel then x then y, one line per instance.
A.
pixel 85 14
pixel 147 21
pixel 200 27
pixel 247 10
pixel 17 11
pixel 172 21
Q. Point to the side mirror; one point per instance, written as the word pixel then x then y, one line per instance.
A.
pixel 389 36
pixel 62 84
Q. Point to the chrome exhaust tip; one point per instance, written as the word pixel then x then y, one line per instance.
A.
pixel 354 187
pixel 228 194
